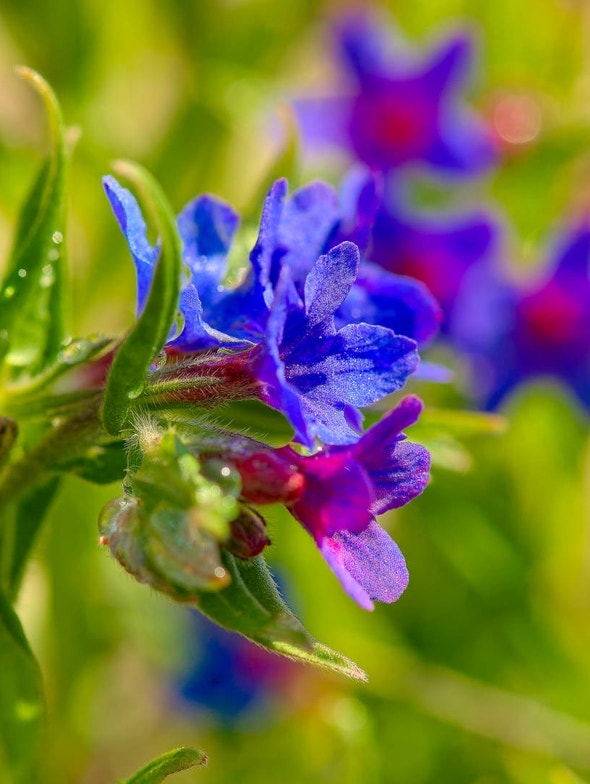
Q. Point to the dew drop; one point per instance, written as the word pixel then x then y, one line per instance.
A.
pixel 22 273
pixel 9 292
pixel 57 237
pixel 53 254
pixel 47 276
pixel 219 572
pixel 225 471
pixel 135 393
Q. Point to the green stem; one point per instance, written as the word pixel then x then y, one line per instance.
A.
pixel 69 438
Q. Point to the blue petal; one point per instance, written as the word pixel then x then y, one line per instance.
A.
pixel 329 282
pixel 133 226
pixel 207 226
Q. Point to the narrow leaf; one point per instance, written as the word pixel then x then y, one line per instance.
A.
pixel 31 316
pixel 150 332
pixel 30 513
pixel 21 699
pixel 169 763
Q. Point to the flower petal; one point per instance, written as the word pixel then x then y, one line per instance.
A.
pixel 369 565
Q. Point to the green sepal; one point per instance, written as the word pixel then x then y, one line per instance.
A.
pixel 254 419
pixel 31 296
pixel 167 529
pixel 139 349
pixel 167 764
pixel 253 606
pixel 21 700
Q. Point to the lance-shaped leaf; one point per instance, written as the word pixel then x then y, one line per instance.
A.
pixel 167 764
pixel 31 296
pixel 253 606
pixel 21 700
pixel 150 332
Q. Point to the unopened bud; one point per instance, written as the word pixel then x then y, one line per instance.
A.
pixel 248 536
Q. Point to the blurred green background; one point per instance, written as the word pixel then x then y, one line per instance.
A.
pixel 481 673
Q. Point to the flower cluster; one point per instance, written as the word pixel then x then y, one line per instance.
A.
pixel 314 331
pixel 403 114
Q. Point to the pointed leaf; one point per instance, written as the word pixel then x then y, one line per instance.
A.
pixel 169 763
pixel 31 316
pixel 253 606
pixel 150 332
pixel 21 699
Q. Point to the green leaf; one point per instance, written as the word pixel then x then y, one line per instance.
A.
pixel 22 530
pixel 150 332
pixel 21 699
pixel 253 606
pixel 31 316
pixel 169 763
pixel 462 424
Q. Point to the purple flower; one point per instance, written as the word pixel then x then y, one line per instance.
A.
pixel 399 108
pixel 514 333
pixel 317 375
pixel 336 493
pixel 438 251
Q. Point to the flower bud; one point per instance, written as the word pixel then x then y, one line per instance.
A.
pixel 248 536
pixel 270 477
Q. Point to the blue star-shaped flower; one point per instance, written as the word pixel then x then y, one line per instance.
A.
pixel 316 374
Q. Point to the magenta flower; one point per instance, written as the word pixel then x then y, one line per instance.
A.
pixel 336 493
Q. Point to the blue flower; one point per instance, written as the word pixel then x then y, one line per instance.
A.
pixel 517 332
pixel 316 374
pixel 207 226
pixel 399 108
pixel 228 676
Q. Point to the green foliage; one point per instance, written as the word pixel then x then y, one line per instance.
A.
pixel 149 333
pixel 169 763
pixel 21 700
pixel 252 605
pixel 32 293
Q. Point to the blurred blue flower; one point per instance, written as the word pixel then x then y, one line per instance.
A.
pixel 226 675
pixel 437 250
pixel 399 108
pixel 517 332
